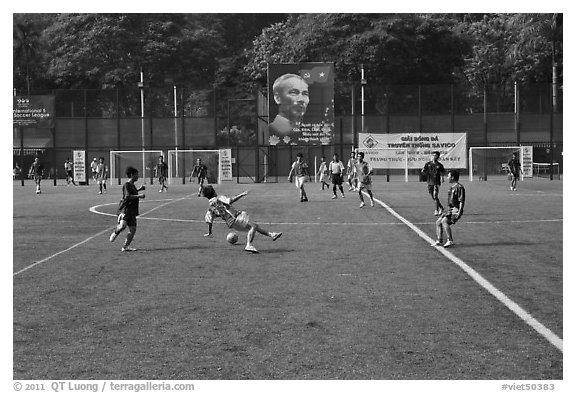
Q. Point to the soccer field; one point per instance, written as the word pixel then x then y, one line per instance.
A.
pixel 345 293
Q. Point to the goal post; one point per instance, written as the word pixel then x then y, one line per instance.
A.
pixel 492 161
pixel 181 164
pixel 143 160
pixel 389 158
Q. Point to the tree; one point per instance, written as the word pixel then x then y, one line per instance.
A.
pixel 25 48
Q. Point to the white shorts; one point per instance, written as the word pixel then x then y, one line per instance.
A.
pixel 299 181
pixel 242 222
pixel 101 181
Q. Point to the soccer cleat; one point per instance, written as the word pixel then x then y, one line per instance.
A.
pixel 343 196
pixel 113 236
pixel 334 197
pixel 362 204
pixel 514 189
pixel 160 190
pixel 251 248
pixel 351 189
pixel 128 248
pixel 372 203
pixel 448 244
pixel 511 188
pixel 99 192
pixel 276 235
pixel 436 243
pixel 207 235
pixel 437 212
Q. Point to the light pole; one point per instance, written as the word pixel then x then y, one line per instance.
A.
pixel 141 87
pixel 363 82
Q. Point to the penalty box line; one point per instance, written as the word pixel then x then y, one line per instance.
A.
pixel 89 238
pixel 509 303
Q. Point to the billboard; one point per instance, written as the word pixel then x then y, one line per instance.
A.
pixel 388 150
pixel 34 111
pixel 301 104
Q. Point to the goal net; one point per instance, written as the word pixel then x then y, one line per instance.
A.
pixel 143 160
pixel 490 162
pixel 393 160
pixel 543 169
pixel 181 164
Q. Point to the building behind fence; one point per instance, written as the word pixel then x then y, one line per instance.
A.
pixel 98 121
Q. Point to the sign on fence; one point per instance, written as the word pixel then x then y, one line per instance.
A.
pixel 301 104
pixel 79 165
pixel 419 148
pixel 34 111
pixel 225 164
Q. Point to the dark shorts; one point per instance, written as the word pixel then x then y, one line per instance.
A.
pixel 161 179
pixel 433 189
pixel 337 179
pixel 514 175
pixel 69 173
pixel 130 220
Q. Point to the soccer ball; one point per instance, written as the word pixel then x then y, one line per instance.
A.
pixel 232 237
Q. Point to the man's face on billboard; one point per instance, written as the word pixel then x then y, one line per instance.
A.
pixel 292 98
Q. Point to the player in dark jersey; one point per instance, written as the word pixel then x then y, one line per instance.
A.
pixel 36 172
pixel 434 173
pixel 221 206
pixel 128 209
pixel 201 171
pixel 514 168
pixel 456 200
pixel 69 169
pixel 162 173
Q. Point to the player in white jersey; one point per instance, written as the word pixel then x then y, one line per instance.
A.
pixel 101 175
pixel 323 173
pixel 221 206
pixel 351 172
pixel 364 173
pixel 336 170
pixel 300 171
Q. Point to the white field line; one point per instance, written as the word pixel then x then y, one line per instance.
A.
pixel 513 306
pixel 89 238
pixel 94 209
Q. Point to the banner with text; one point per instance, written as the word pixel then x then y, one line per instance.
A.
pixel 79 165
pixel 389 150
pixel 34 111
pixel 300 104
pixel 225 164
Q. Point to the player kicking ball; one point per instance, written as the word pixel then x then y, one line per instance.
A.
pixel 128 209
pixel 449 217
pixel 221 206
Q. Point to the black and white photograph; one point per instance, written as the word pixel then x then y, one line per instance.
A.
pixel 256 200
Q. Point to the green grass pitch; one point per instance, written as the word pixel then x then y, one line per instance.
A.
pixel 345 293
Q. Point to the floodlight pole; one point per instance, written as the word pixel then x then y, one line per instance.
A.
pixel 363 83
pixel 141 86
pixel 176 125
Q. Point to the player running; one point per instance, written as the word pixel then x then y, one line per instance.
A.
pixel 69 172
pixel 201 171
pixel 514 168
pixel 364 176
pixel 336 170
pixel 36 172
pixel 162 173
pixel 101 175
pixel 128 209
pixel 221 206
pixel 300 170
pixel 351 172
pixel 434 173
pixel 456 200
pixel 323 173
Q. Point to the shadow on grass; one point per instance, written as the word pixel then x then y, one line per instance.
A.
pixel 495 244
pixel 194 247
